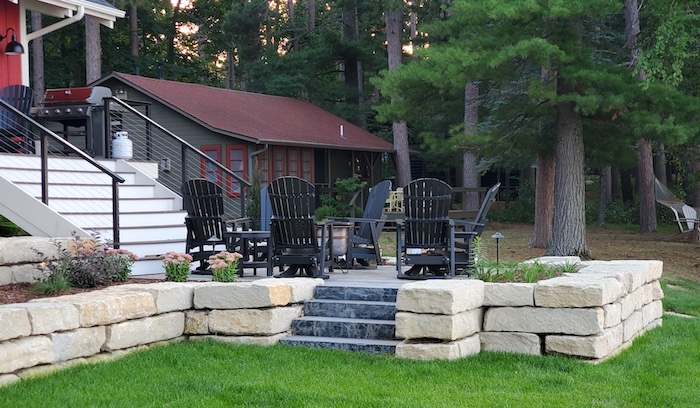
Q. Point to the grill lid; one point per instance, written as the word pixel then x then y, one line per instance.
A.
pixel 65 96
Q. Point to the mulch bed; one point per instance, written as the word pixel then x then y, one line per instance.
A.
pixel 21 292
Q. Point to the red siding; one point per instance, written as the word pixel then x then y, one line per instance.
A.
pixel 10 65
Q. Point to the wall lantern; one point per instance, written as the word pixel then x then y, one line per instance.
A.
pixel 13 47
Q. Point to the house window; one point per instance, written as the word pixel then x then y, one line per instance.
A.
pixel 293 162
pixel 235 158
pixel 307 165
pixel 263 168
pixel 208 170
pixel 278 161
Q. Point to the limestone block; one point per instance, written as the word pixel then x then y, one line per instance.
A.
pixel 648 293
pixel 633 325
pixel 443 327
pixel 144 331
pixel 654 324
pixel 613 314
pixel 241 295
pixel 5 278
pixel 18 250
pixel 518 343
pixel 77 343
pixel 14 322
pixel 596 346
pixel 251 340
pixel 651 312
pixel 302 289
pixel 554 260
pixel 421 350
pixel 26 273
pixel 25 352
pixel 7 379
pixel 44 370
pixel 253 322
pixel 509 294
pixel 644 271
pixel 169 296
pixel 196 322
pixel 440 297
pixel 580 322
pixel 638 297
pixel 627 306
pixel 50 317
pixel 657 292
pixel 578 291
pixel 103 307
pixel 628 276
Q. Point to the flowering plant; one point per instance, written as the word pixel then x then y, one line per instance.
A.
pixel 224 266
pixel 118 263
pixel 177 266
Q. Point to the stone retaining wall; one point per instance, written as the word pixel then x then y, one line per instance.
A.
pixel 45 334
pixel 591 314
pixel 19 257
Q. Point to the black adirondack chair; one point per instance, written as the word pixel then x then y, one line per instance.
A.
pixel 14 130
pixel 206 226
pixel 293 229
pixel 425 238
pixel 363 240
pixel 466 231
pixel 480 222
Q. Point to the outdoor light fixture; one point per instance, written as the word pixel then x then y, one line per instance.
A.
pixel 13 47
pixel 497 236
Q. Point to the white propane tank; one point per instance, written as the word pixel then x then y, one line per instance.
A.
pixel 122 147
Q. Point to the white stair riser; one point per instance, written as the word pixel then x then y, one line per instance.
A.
pixel 89 191
pixel 155 248
pixel 145 234
pixel 128 219
pixel 63 177
pixel 105 205
pixel 147 267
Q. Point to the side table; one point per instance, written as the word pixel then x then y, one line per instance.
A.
pixel 255 248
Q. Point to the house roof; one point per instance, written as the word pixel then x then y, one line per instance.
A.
pixel 257 117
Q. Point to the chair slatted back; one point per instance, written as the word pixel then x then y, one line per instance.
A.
pixel 489 199
pixel 204 203
pixel 293 202
pixel 373 209
pixel 21 98
pixel 426 209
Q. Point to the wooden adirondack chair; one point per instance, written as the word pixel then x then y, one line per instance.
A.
pixel 293 229
pixel 14 130
pixel 425 237
pixel 206 227
pixel 363 240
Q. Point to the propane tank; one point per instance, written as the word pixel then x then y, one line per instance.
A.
pixel 122 147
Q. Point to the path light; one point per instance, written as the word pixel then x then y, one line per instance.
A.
pixel 498 237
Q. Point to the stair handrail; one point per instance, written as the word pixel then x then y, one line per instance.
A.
pixel 44 136
pixel 184 145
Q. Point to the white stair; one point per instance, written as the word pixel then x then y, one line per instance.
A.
pixel 150 216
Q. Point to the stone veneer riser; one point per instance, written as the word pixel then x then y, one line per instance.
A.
pixel 621 298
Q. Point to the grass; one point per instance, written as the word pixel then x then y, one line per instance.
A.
pixel 660 369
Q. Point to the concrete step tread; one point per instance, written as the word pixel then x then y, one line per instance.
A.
pixel 319 339
pixel 345 320
pixel 354 302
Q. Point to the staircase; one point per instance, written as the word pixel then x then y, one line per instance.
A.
pixel 150 215
pixel 347 318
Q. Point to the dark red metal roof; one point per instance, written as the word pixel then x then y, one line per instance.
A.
pixel 257 117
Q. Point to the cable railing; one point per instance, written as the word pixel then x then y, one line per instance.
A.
pixel 178 160
pixel 98 205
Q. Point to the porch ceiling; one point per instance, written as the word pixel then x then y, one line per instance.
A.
pixel 103 11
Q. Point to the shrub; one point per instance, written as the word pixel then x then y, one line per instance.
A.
pixel 177 266
pixel 117 264
pixel 224 266
pixel 55 280
pixel 338 205
pixel 86 259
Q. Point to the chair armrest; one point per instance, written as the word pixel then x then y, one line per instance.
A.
pixel 353 219
pixel 243 223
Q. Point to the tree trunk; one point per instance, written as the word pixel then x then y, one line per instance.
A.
pixel 133 30
pixel 604 196
pixel 173 31
pixel 569 225
pixel 615 179
pixel 93 50
pixel 660 164
pixel 38 82
pixel 470 177
pixel 544 202
pixel 647 201
pixel 394 21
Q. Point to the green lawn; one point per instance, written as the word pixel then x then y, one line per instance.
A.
pixel 661 369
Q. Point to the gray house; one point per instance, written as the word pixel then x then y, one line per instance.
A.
pixel 284 136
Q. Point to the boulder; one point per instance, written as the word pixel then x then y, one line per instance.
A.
pixel 77 343
pixel 440 297
pixel 443 327
pixel 253 322
pixel 580 322
pixel 517 343
pixel 452 350
pixel 144 331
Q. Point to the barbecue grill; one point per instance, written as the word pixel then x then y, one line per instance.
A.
pixel 76 114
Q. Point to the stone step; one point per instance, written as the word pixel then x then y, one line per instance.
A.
pixel 353 309
pixel 336 343
pixel 355 293
pixel 320 326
